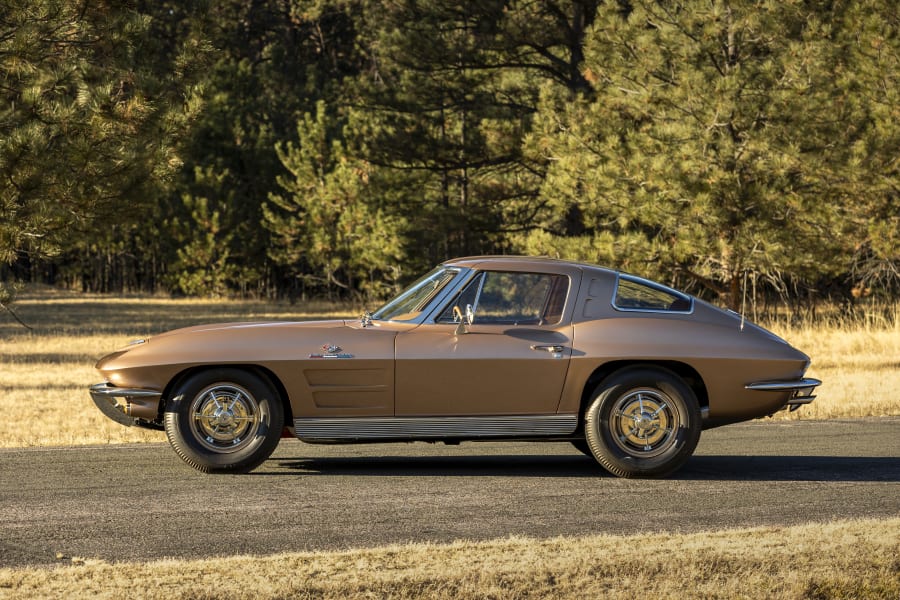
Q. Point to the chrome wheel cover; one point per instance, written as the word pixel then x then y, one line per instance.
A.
pixel 644 422
pixel 224 417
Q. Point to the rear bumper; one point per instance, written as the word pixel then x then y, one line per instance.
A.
pixel 800 390
pixel 127 406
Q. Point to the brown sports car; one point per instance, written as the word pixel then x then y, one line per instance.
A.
pixel 483 348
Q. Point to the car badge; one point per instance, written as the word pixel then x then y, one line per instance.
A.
pixel 331 351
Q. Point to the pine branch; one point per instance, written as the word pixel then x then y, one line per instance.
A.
pixel 10 310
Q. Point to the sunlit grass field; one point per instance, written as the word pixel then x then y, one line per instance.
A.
pixel 46 371
pixel 850 559
pixel 858 363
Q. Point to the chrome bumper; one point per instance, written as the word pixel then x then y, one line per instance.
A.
pixel 801 390
pixel 127 406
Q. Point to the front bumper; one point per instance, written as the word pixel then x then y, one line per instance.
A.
pixel 801 390
pixel 127 406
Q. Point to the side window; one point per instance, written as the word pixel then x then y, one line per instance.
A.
pixel 511 298
pixel 636 294
pixel 468 297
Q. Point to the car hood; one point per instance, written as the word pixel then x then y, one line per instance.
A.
pixel 244 327
pixel 225 343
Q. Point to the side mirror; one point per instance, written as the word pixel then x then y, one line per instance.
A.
pixel 463 320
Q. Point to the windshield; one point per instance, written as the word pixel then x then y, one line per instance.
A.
pixel 411 301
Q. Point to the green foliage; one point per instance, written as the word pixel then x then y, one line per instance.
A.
pixel 328 226
pixel 445 106
pixel 86 123
pixel 339 148
pixel 204 266
pixel 716 143
pixel 274 60
pixel 872 174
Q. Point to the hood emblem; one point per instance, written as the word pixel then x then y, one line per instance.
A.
pixel 331 351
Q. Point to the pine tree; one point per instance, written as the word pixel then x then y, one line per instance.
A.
pixel 327 225
pixel 711 146
pixel 871 179
pixel 274 59
pixel 87 121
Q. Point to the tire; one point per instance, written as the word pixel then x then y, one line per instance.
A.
pixel 643 422
pixel 224 420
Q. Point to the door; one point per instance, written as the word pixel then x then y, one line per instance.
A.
pixel 510 360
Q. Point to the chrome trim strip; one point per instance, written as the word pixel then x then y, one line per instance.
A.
pixel 104 396
pixel 398 428
pixel 795 402
pixel 801 390
pixel 104 389
pixel 784 386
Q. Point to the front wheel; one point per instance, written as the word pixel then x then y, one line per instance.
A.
pixel 643 422
pixel 224 420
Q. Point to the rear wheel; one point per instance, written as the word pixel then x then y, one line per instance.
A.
pixel 224 420
pixel 643 422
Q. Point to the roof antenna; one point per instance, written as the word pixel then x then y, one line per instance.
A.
pixel 744 301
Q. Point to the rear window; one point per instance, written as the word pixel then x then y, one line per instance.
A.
pixel 637 294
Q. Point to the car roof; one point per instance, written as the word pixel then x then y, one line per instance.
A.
pixel 538 262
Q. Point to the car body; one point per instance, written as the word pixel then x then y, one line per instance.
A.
pixel 480 348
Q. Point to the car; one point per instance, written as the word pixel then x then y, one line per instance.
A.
pixel 627 370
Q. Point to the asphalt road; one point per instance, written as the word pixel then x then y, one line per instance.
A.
pixel 140 502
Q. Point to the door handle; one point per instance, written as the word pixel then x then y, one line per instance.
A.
pixel 551 348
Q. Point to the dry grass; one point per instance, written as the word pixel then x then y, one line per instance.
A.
pixel 849 559
pixel 45 372
pixel 858 363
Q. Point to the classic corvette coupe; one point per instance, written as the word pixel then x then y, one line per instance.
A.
pixel 483 348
